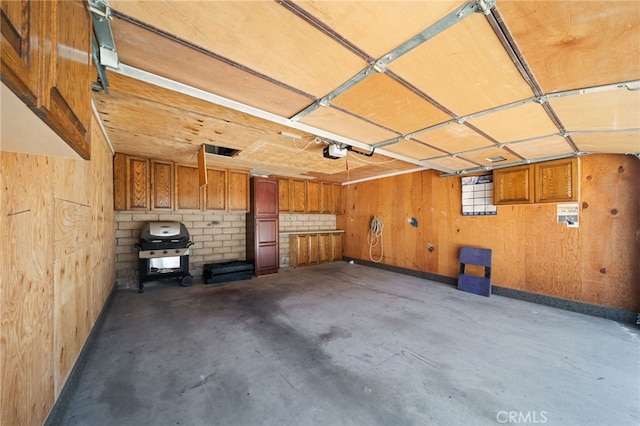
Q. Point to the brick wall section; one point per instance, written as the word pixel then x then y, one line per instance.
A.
pixel 302 222
pixel 217 237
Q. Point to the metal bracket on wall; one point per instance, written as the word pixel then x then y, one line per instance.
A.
pixel 380 65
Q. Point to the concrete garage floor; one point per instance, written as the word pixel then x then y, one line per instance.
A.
pixel 341 344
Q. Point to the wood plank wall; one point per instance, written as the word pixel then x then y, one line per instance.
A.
pixel 57 271
pixel 595 263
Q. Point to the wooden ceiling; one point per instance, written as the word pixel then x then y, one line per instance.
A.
pixel 422 84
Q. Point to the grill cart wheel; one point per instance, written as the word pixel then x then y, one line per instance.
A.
pixel 186 281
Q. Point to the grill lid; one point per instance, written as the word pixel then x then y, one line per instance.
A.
pixel 164 229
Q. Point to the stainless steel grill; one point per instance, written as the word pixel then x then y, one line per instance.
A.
pixel 164 253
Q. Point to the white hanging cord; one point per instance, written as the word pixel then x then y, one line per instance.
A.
pixel 375 236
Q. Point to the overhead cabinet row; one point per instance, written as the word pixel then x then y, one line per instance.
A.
pixel 307 196
pixel 548 182
pixel 46 61
pixel 143 184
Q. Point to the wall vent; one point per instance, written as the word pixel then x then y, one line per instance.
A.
pixel 220 150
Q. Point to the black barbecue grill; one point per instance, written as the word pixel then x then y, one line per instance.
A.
pixel 164 252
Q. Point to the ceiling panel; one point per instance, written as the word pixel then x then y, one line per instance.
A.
pixel 454 138
pixel 464 68
pixel 452 163
pixel 521 122
pixel 413 149
pixel 143 117
pixel 542 148
pixel 148 91
pixel 343 124
pixel 622 142
pixel 574 45
pixel 380 25
pixel 482 156
pixel 141 48
pixel 613 109
pixel 250 33
pixel 381 99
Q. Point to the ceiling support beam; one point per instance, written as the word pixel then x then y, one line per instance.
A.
pixel 185 89
pixel 518 163
pixel 380 65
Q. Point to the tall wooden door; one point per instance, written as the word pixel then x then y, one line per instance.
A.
pixel 263 226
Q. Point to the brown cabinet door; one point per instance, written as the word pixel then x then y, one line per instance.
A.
pixel 68 72
pixel 20 26
pixel 119 182
pixel 298 196
pixel 336 247
pixel 266 246
pixel 314 249
pixel 216 189
pixel 265 196
pixel 324 247
pixel 313 197
pixel 513 185
pixel 337 199
pixel 556 181
pixel 187 189
pixel 284 195
pixel 161 185
pixel 326 197
pixel 238 191
pixel 137 183
pixel 298 250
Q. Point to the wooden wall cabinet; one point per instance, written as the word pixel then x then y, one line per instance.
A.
pixel 216 193
pixel 314 248
pixel 304 196
pixel 298 191
pixel 143 184
pixel 238 191
pixel 513 185
pixel 263 226
pixel 187 187
pixel 130 183
pixel 162 184
pixel 548 182
pixel 37 38
pixel 284 195
pixel 313 196
pixel 556 181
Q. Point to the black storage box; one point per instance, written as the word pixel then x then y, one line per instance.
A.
pixel 227 271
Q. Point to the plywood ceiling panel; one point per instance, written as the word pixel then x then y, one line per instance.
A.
pixel 413 149
pixel 343 124
pixel 383 100
pixel 371 167
pixel 381 25
pixel 614 109
pixel 141 48
pixel 452 163
pixel 622 142
pixel 541 148
pixel 522 122
pixel 141 89
pixel 128 113
pixel 149 146
pixel 464 68
pixel 250 33
pixel 571 45
pixel 482 156
pixel 454 138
